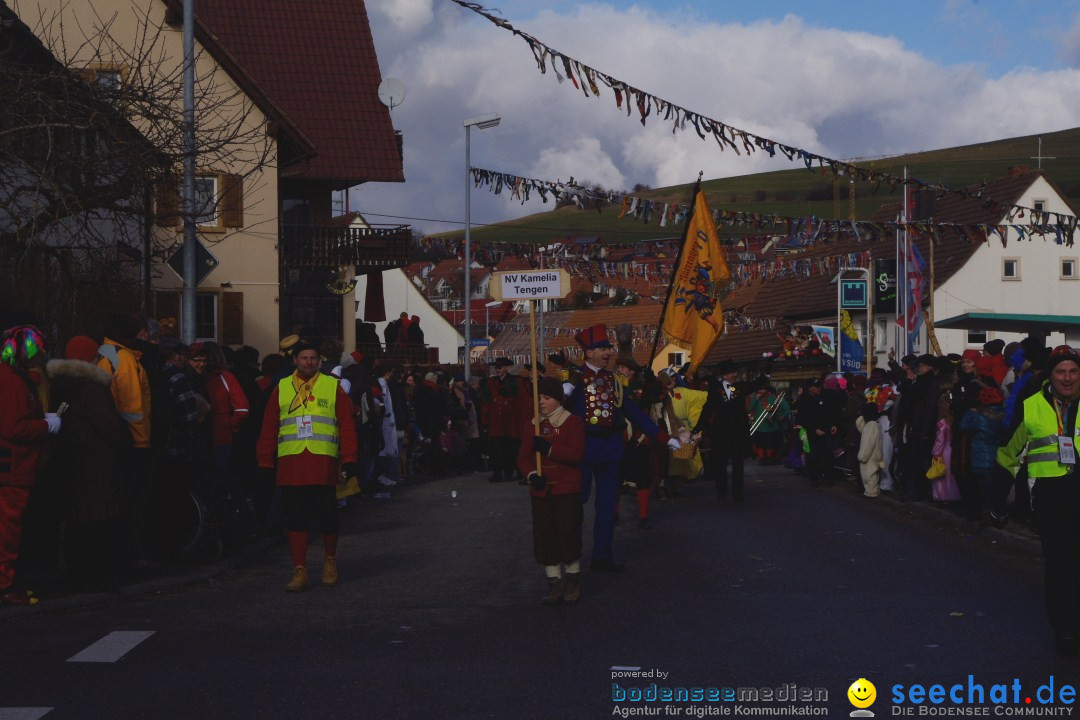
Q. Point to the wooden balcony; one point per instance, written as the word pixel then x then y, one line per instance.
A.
pixel 379 247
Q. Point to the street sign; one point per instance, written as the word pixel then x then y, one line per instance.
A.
pixel 204 262
pixel 530 285
pixel 853 294
pixel 479 342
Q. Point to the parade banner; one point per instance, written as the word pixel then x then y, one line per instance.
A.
pixel 693 315
pixel 826 337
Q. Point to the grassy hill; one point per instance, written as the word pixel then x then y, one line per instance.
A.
pixel 800 193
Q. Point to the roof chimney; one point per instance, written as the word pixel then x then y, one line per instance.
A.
pixel 1018 170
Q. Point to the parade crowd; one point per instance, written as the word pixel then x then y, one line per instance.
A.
pixel 102 440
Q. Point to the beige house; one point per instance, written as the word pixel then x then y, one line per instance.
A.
pixel 288 113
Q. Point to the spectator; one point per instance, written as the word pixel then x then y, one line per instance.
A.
pixel 23 427
pixel 871 457
pixel 88 459
pixel 985 425
pixel 415 333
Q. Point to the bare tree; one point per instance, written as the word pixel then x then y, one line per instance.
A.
pixel 91 140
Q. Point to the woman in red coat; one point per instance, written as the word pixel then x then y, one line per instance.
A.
pixel 556 491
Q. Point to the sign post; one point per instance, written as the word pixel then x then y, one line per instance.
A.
pixel 531 285
pixel 854 294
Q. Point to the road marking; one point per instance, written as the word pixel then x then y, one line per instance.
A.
pixel 26 713
pixel 112 647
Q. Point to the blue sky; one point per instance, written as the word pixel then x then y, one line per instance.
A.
pixel 840 78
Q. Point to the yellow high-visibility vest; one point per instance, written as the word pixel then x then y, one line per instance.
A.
pixel 1039 434
pixel 313 427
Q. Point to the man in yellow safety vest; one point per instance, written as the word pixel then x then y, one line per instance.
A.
pixel 1048 430
pixel 313 439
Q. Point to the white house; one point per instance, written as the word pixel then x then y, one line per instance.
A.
pixel 402 295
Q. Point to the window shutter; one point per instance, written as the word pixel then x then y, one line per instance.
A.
pixel 232 201
pixel 167 305
pixel 167 199
pixel 232 318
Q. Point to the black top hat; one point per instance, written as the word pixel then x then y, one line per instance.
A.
pixel 726 366
pixel 502 362
pixel 558 358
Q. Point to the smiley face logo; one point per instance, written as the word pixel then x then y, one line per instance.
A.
pixel 862 693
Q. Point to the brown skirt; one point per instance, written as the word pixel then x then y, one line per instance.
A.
pixel 557 528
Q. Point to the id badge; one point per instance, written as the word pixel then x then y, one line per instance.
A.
pixel 303 428
pixel 1066 450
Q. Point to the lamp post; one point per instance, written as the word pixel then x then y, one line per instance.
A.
pixel 487 325
pixel 482 122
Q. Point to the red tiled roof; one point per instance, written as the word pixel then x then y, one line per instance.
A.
pixel 317 61
pixel 516 342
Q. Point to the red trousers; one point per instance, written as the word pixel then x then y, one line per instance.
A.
pixel 12 506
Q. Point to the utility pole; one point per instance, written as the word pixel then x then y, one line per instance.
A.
pixel 187 300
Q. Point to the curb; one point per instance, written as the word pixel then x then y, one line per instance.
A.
pixel 241 556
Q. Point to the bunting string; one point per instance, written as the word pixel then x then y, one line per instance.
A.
pixel 802 233
pixel 631 99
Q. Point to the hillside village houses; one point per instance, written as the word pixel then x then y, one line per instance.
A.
pixel 304 78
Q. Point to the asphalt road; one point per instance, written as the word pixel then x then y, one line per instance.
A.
pixel 438 616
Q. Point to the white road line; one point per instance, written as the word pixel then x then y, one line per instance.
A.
pixel 112 647
pixel 26 713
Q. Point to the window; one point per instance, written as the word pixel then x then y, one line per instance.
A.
pixel 206 316
pixel 206 195
pixel 1010 268
pixel 675 359
pixel 977 337
pixel 1068 269
pixel 1038 205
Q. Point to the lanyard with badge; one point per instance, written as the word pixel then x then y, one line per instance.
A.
pixel 1066 447
pixel 304 430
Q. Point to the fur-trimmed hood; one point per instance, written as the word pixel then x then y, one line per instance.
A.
pixel 77 370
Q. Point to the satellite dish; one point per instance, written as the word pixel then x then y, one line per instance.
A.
pixel 391 92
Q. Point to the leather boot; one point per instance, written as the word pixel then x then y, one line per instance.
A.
pixel 554 593
pixel 329 572
pixel 572 590
pixel 299 580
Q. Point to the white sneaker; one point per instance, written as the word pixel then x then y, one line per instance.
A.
pixel 383 480
pixel 381 496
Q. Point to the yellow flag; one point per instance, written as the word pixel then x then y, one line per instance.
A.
pixel 694 317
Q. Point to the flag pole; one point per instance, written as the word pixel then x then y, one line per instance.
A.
pixel 675 267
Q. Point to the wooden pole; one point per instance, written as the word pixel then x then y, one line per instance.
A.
pixel 869 313
pixel 535 389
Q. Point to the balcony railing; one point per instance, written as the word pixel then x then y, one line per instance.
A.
pixel 312 246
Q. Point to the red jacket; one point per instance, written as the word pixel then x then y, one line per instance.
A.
pixel 22 428
pixel 229 405
pixel 560 465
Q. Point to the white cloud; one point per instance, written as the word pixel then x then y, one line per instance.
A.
pixel 1069 44
pixel 838 93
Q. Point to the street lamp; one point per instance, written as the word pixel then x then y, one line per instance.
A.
pixel 482 122
pixel 487 325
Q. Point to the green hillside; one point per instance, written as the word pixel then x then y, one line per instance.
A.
pixel 800 193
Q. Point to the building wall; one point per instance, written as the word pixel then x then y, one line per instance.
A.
pixel 979 287
pixel 247 256
pixel 401 295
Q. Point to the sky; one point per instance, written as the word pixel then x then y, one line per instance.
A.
pixel 845 79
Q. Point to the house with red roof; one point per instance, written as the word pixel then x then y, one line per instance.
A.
pixel 297 82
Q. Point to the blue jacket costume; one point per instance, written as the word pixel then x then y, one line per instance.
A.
pixel 598 399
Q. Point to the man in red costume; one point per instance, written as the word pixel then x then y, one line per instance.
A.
pixel 313 438
pixel 23 427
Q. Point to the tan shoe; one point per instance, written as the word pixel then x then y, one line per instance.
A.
pixel 554 593
pixel 299 581
pixel 329 572
pixel 572 589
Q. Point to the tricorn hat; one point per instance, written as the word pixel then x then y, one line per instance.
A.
pixel 502 362
pixel 725 366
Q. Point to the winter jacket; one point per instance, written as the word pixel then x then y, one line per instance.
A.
pixel 229 406
pixel 130 388
pixel 560 467
pixel 22 428
pixel 986 426
pixel 89 454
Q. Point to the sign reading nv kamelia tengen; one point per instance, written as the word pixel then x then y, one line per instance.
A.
pixel 530 284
